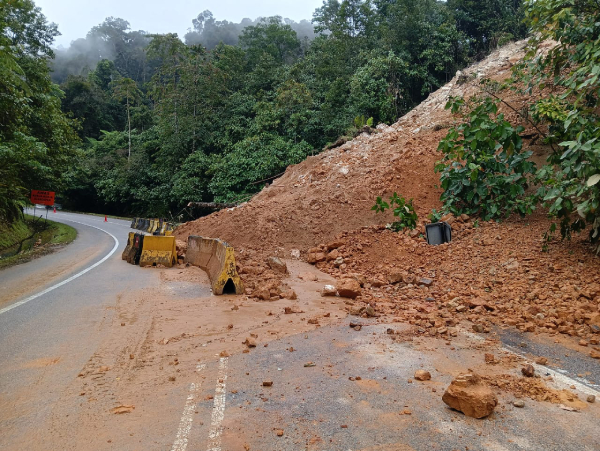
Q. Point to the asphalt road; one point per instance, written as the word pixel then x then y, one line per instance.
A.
pixel 60 312
pixel 46 339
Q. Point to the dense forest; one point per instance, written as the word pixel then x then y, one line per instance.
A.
pixel 127 122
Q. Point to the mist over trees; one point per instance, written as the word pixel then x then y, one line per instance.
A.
pixel 114 40
pixel 164 121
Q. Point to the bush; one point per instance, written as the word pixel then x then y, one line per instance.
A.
pixel 404 211
pixel 484 170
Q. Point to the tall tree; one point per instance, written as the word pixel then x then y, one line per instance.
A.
pixel 36 139
pixel 125 89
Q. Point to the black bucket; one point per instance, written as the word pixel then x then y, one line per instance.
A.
pixel 438 233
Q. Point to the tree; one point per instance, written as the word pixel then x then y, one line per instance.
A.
pixel 571 179
pixel 127 90
pixel 36 139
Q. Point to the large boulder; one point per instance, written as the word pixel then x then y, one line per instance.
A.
pixel 469 395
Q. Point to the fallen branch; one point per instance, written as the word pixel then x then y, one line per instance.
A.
pixel 210 205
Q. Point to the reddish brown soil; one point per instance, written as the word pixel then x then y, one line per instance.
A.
pixel 491 273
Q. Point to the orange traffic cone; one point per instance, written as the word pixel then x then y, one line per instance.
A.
pixel 105 220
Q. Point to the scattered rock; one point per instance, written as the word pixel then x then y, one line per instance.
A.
pixel 316 257
pixel 422 375
pixel 279 432
pixel 519 403
pixel 591 399
pixel 250 342
pixel 594 354
pixel 348 288
pixel 395 277
pixel 290 294
pixel 528 371
pixel 295 253
pixel 469 395
pixel 541 360
pixel 329 290
pixel 267 383
pixel 262 293
pixel 309 364
pixel 489 358
pixel 122 409
pixel 425 282
pixel 478 328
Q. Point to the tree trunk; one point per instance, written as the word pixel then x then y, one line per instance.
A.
pixel 129 126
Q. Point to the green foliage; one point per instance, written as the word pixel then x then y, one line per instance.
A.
pixel 255 159
pixel 403 210
pixel 36 138
pixel 484 170
pixel 166 122
pixel 569 181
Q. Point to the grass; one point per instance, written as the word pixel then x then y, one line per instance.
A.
pixel 13 234
pixel 51 238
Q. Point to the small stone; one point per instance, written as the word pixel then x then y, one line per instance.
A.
pixel 422 375
pixel 528 371
pixel 172 378
pixel 594 354
pixel 489 358
pixel 279 432
pixel 290 294
pixel 478 328
pixel 425 282
pixel 591 399
pixel 519 403
pixel 267 383
pixel 328 290
pixel 277 265
pixel 541 360
pixel 348 288
pixel 250 342
pixel 583 343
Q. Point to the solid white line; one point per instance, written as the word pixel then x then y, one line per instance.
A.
pixel 218 413
pixel 560 379
pixel 187 418
pixel 70 279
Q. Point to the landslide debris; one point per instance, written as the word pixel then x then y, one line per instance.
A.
pixel 492 274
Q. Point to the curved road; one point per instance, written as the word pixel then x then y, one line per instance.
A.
pixel 55 306
pixel 57 311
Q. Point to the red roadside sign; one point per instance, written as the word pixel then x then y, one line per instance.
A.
pixel 42 197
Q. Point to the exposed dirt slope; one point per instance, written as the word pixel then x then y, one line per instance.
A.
pixel 334 191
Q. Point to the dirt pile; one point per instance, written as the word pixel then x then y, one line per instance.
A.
pixel 333 192
pixel 491 274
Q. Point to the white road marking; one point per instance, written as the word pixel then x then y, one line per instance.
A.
pixel 70 279
pixel 187 418
pixel 218 413
pixel 560 379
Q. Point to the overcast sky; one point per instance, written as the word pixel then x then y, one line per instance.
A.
pixel 76 17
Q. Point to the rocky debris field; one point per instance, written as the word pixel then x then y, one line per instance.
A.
pixel 492 276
